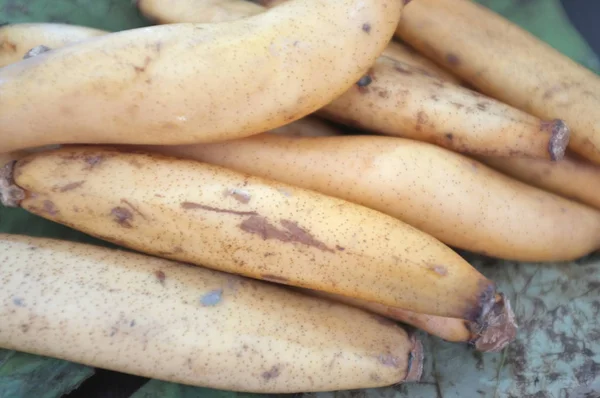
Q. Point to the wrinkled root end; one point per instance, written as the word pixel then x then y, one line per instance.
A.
pixel 559 139
pixel 498 328
pixel 10 194
pixel 415 363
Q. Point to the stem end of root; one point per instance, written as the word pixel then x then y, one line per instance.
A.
pixel 499 327
pixel 10 194
pixel 415 364
pixel 560 135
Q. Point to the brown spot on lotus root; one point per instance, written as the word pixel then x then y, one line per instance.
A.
pixel 140 69
pixel 160 276
pixel 384 93
pixel 402 69
pixel 291 232
pixel 366 27
pixel 421 119
pixel 122 216
pixel 135 209
pixel 70 186
pixel 8 46
pixel 273 373
pixel 389 360
pixel 449 136
pixel 93 161
pixel 482 106
pixel 274 278
pixel 340 248
pixel 452 59
pixel 192 206
pixel 50 208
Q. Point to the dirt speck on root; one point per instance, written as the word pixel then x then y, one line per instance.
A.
pixel 212 298
pixel 366 27
pixel 35 51
pixel 363 83
pixel 241 195
pixel 18 302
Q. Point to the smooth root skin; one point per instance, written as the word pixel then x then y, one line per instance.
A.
pixel 27 36
pixel 453 198
pixel 401 100
pixel 214 217
pixel 493 338
pixel 186 83
pixel 572 177
pixel 210 11
pixel 506 62
pixel 161 319
pixel 17 39
pixel 197 11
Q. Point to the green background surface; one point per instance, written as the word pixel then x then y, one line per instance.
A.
pixel 557 351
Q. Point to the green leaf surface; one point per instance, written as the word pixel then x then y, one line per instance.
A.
pixel 547 20
pixel 160 389
pixel 24 376
pixel 557 352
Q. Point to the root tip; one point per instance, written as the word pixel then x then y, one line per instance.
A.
pixel 415 365
pixel 499 327
pixel 559 139
pixel 10 194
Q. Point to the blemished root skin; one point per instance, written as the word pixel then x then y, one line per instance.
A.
pixel 499 327
pixel 559 140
